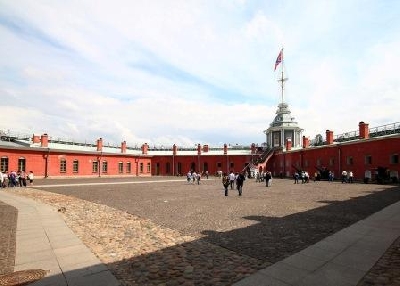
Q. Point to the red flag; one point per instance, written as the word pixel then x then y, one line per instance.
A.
pixel 279 59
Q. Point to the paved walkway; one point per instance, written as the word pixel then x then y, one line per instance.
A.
pixel 45 242
pixel 341 259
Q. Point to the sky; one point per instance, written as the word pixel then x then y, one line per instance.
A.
pixel 195 72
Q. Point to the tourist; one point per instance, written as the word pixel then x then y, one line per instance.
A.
pixel 268 177
pixel 22 179
pixel 344 176
pixel 198 177
pixel 239 182
pixel 1 179
pixel 351 176
pixel 296 177
pixel 30 178
pixel 231 179
pixel 194 177
pixel 225 182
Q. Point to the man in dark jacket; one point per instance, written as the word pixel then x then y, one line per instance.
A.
pixel 239 182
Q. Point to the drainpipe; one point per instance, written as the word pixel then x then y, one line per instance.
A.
pixel 46 167
pixel 340 162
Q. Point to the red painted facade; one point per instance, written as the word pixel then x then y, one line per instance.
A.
pixel 47 159
pixel 358 156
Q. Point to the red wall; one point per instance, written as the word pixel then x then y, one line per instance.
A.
pixel 239 162
pixel 36 162
pixel 335 157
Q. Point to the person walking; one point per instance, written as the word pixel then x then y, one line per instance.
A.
pixel 225 183
pixel 296 177
pixel 30 178
pixel 344 176
pixel 351 176
pixel 268 177
pixel 232 179
pixel 198 177
pixel 22 179
pixel 239 182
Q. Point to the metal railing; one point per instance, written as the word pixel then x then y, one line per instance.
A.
pixel 379 131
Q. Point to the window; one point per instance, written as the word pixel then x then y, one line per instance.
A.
pixel 394 159
pixel 349 160
pixel 120 167
pixel 63 166
pixel 180 168
pixel 128 167
pixel 141 168
pixel 4 164
pixel 104 167
pixel 75 166
pixel 219 165
pixel 232 165
pixel 168 168
pixel 148 167
pixel 21 164
pixel 368 159
pixel 95 166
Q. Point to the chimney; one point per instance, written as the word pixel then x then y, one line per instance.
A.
pixel 329 137
pixel 44 140
pixel 174 150
pixel 123 147
pixel 225 149
pixel 306 142
pixel 145 148
pixel 289 144
pixel 100 144
pixel 363 130
pixel 35 138
pixel 198 149
pixel 205 148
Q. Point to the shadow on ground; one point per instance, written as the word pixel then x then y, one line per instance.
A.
pixel 222 258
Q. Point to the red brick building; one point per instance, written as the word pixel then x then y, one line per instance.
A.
pixel 373 151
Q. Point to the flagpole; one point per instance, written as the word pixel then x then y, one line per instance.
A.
pixel 282 78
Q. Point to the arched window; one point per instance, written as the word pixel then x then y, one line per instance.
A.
pixel 75 166
pixel 4 164
pixel 21 164
pixel 63 166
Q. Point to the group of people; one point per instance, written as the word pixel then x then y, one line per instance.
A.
pixel 264 176
pixel 233 179
pixel 193 177
pixel 301 175
pixel 15 179
pixel 347 177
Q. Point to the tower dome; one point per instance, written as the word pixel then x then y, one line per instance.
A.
pixel 282 128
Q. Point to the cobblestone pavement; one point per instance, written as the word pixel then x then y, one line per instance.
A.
pixel 174 233
pixel 8 226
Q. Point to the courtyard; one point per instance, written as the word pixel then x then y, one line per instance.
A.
pixel 164 230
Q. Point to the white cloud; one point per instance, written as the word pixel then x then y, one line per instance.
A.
pixel 194 72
